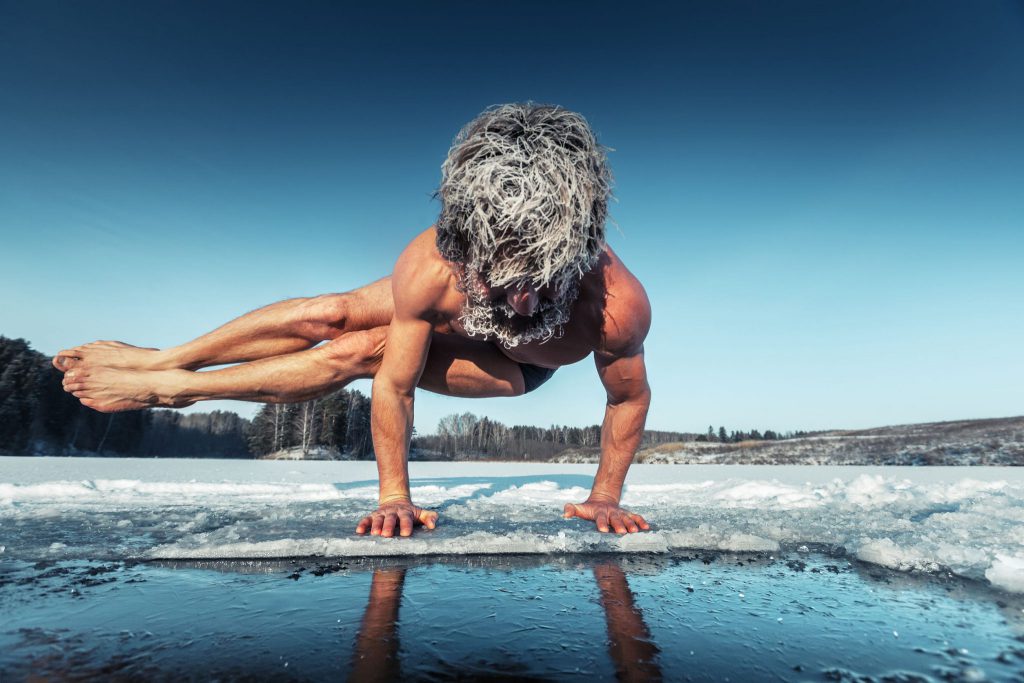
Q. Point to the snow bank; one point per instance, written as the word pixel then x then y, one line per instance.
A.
pixel 970 522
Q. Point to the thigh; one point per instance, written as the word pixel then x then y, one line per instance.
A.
pixel 469 368
pixel 369 306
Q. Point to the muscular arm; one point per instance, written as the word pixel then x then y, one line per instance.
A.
pixel 391 416
pixel 629 397
pixel 417 284
pixel 620 365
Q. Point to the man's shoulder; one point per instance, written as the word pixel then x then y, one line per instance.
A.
pixel 422 280
pixel 627 310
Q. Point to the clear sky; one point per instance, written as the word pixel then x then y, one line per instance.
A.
pixel 823 199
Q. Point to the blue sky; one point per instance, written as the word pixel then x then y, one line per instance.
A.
pixel 823 199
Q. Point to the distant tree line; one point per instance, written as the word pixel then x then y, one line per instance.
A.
pixel 339 422
pixel 735 436
pixel 466 435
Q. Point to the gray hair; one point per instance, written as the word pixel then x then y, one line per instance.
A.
pixel 524 198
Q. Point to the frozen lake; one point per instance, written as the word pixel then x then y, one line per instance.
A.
pixel 199 569
pixel 968 521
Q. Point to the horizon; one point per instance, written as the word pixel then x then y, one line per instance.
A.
pixel 823 201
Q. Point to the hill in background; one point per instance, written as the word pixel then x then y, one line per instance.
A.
pixel 961 442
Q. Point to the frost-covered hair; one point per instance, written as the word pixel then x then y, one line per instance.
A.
pixel 524 197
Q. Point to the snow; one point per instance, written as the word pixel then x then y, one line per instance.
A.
pixel 1007 573
pixel 969 521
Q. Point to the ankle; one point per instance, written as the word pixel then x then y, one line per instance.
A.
pixel 174 359
pixel 173 388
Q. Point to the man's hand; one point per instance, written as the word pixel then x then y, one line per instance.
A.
pixel 397 513
pixel 606 513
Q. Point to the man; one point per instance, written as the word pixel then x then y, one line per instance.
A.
pixel 514 281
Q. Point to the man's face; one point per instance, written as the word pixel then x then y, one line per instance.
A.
pixel 515 313
pixel 524 298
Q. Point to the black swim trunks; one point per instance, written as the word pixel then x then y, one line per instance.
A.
pixel 534 375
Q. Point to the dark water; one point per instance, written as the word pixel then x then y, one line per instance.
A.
pixel 685 617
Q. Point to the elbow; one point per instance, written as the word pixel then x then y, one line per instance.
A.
pixel 386 386
pixel 641 397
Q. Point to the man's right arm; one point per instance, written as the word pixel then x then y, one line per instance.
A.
pixel 394 386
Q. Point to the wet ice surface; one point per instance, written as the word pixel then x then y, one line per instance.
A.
pixel 969 521
pixel 696 616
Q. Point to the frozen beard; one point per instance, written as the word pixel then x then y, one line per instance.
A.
pixel 496 320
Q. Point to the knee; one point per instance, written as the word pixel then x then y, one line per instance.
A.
pixel 322 317
pixel 360 351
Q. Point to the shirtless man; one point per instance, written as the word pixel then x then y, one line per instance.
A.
pixel 514 281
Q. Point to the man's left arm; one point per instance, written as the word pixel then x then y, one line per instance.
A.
pixel 624 376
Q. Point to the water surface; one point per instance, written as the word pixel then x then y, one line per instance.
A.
pixel 696 616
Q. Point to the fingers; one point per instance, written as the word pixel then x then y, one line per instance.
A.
pixel 405 522
pixel 427 518
pixel 385 521
pixel 607 518
pixel 616 521
pixel 390 520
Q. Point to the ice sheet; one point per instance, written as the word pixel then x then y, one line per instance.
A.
pixel 969 521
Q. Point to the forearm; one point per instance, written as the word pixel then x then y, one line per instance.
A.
pixel 621 434
pixel 391 422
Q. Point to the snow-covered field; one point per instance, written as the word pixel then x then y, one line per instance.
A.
pixel 966 521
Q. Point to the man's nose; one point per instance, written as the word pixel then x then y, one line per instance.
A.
pixel 524 299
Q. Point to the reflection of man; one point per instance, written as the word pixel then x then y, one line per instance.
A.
pixel 629 640
pixel 513 282
pixel 375 657
pixel 633 653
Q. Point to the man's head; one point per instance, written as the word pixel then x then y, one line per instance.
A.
pixel 524 197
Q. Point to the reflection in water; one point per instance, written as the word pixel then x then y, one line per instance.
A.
pixel 634 654
pixel 375 656
pixel 714 617
pixel 629 640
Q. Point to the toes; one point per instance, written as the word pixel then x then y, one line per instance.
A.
pixel 64 360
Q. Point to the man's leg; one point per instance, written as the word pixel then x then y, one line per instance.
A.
pixel 455 366
pixel 281 328
pixel 287 378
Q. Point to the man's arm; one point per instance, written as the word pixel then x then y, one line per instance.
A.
pixel 391 417
pixel 620 364
pixel 629 397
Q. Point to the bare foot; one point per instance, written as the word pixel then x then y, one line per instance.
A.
pixel 112 390
pixel 112 354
